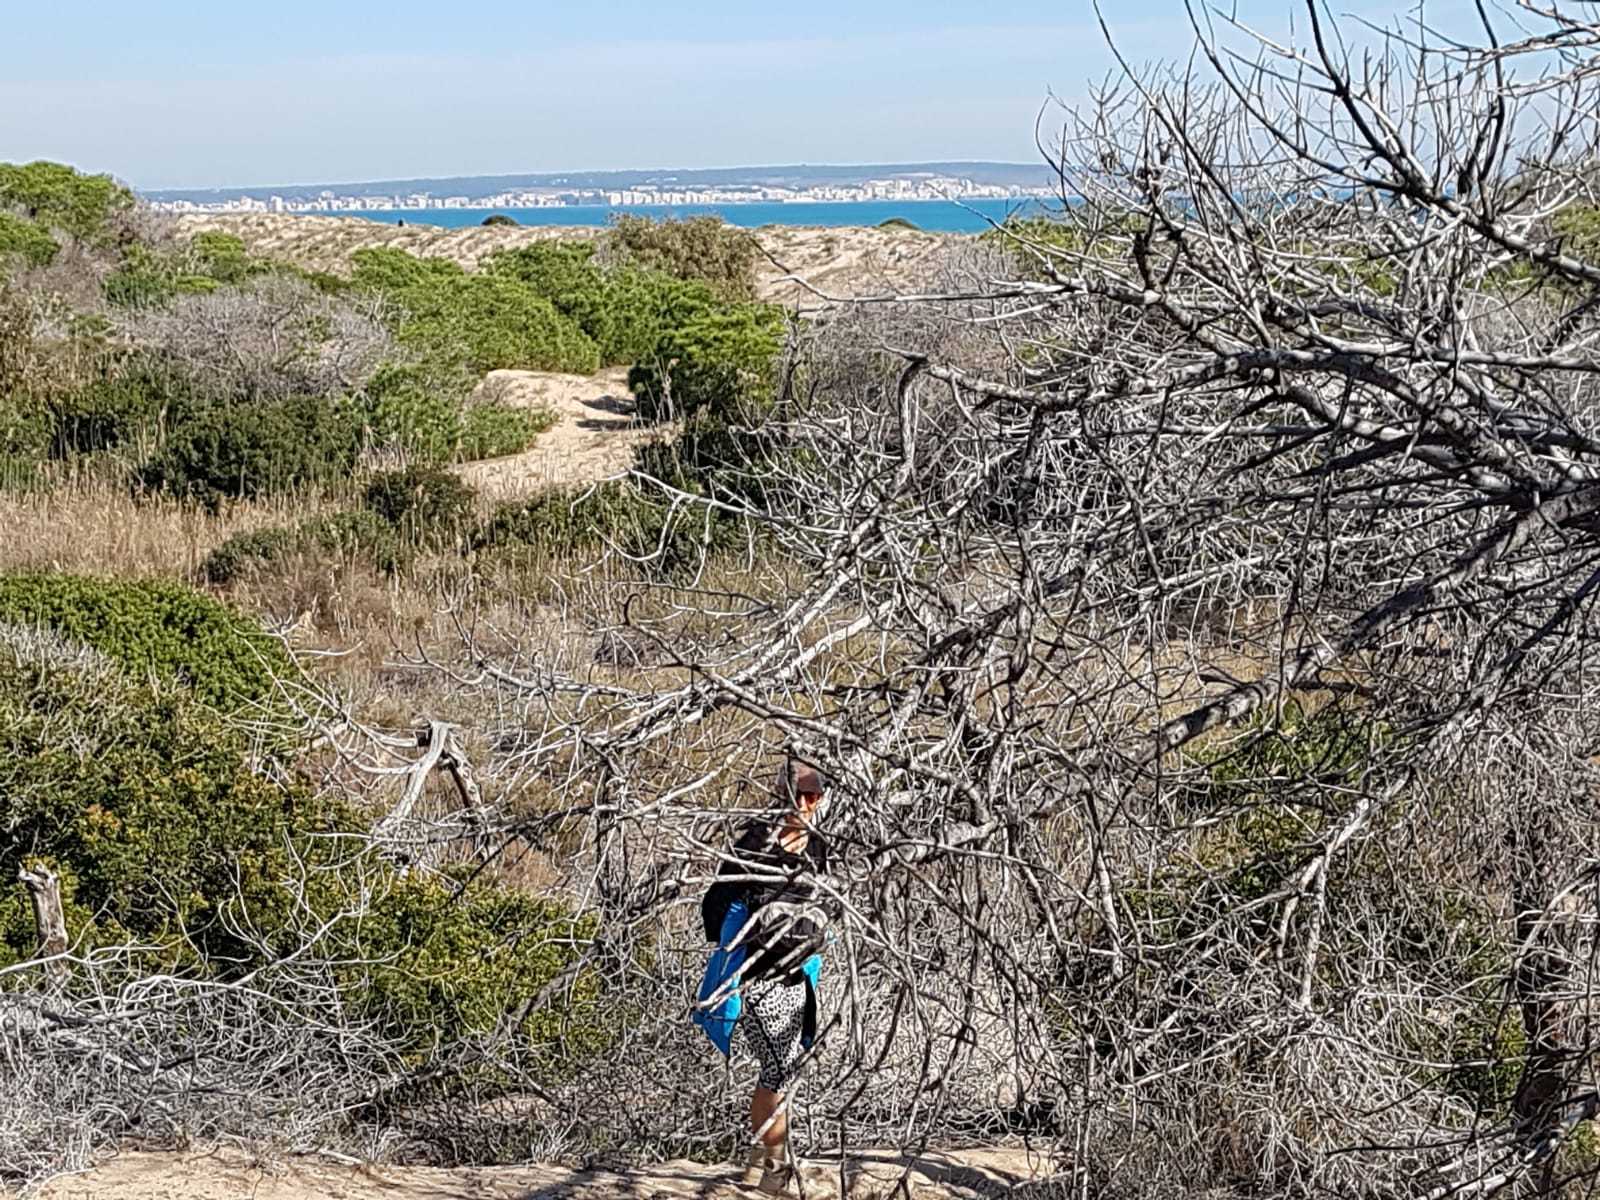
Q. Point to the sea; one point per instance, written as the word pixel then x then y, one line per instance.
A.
pixel 935 216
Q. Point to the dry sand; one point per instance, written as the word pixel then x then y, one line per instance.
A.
pixel 593 436
pixel 840 262
pixel 234 1175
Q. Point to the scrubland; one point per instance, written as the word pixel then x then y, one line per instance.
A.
pixel 1188 595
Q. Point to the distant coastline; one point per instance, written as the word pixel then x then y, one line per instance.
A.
pixel 934 216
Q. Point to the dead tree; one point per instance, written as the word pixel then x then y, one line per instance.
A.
pixel 49 919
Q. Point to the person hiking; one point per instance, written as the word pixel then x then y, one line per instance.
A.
pixel 768 916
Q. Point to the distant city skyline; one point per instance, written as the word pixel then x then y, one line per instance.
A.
pixel 668 185
pixel 191 94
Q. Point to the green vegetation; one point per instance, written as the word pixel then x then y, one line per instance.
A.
pixel 699 248
pixel 54 196
pixel 722 361
pixel 217 450
pixel 563 520
pixel 402 512
pixel 900 223
pixel 499 219
pixel 142 799
pixel 154 629
pixel 448 965
pixel 623 310
pixel 358 534
pixel 25 242
pixel 484 322
pixel 426 409
pixel 421 503
pixel 139 795
pixel 491 430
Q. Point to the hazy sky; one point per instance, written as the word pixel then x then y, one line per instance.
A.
pixel 173 93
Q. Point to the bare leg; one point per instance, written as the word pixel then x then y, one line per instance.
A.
pixel 766 1105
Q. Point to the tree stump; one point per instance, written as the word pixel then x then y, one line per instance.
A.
pixel 49 918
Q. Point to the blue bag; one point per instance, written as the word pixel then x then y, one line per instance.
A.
pixel 717 1006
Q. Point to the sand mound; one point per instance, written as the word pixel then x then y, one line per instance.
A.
pixel 842 262
pixel 234 1175
pixel 593 436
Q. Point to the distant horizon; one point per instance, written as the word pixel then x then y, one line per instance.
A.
pixel 507 176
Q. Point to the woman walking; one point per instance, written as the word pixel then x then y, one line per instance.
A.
pixel 767 904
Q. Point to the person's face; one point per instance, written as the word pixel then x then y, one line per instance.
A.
pixel 808 802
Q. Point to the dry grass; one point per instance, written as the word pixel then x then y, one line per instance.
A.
pixel 93 525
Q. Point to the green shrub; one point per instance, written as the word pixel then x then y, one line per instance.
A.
pixel 120 406
pixel 385 269
pixel 143 801
pixel 57 197
pixel 217 449
pixel 499 219
pixel 360 533
pixel 417 407
pixel 446 966
pixel 25 427
pixel 424 504
pixel 617 514
pixel 644 307
pixel 426 410
pixel 723 361
pixel 154 628
pixel 699 248
pixel 899 223
pixel 223 257
pixel 484 322
pixel 143 796
pixel 490 430
pixel 145 279
pixel 23 241
pixel 624 310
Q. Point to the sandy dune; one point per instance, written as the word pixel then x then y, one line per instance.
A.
pixel 233 1175
pixel 843 262
pixel 593 436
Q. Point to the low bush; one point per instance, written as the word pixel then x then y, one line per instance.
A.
pixel 154 629
pixel 490 430
pixel 439 965
pixel 361 533
pixel 24 243
pixel 616 515
pixel 624 310
pixel 723 361
pixel 140 796
pixel 215 449
pixel 417 408
pixel 484 322
pixel 143 802
pixel 223 257
pixel 146 278
pixel 120 406
pixel 426 411
pixel 699 248
pixel 499 219
pixel 422 503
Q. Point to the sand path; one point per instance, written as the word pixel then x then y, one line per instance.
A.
pixel 593 436
pixel 234 1175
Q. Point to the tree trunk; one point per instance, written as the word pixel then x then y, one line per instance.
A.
pixel 49 918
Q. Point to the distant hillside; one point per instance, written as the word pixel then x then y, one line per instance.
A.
pixel 475 186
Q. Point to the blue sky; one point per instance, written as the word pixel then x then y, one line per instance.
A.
pixel 172 93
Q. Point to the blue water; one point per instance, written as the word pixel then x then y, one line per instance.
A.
pixel 938 216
